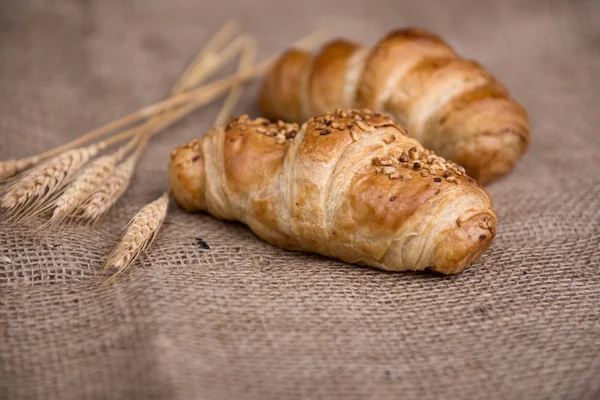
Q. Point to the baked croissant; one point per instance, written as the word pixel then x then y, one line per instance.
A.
pixel 451 105
pixel 351 185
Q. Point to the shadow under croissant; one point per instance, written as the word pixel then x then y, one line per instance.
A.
pixel 302 260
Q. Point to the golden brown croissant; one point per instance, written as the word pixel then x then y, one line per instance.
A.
pixel 351 185
pixel 451 105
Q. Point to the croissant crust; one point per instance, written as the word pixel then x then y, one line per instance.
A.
pixel 451 105
pixel 350 185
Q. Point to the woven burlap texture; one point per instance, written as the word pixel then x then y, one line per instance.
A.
pixel 245 320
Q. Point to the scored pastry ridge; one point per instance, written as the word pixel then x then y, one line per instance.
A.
pixel 451 105
pixel 350 185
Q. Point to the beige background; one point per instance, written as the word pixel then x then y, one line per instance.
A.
pixel 246 320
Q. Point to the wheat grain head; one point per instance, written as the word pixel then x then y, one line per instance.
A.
pixel 40 183
pixel 138 236
pixel 106 195
pixel 82 187
pixel 10 168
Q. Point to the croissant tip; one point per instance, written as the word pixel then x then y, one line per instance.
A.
pixel 187 176
pixel 465 245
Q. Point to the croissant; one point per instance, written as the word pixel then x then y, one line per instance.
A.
pixel 351 185
pixel 451 105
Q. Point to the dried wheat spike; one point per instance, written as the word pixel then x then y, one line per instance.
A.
pixel 83 186
pixel 138 236
pixel 107 194
pixel 38 184
pixel 10 168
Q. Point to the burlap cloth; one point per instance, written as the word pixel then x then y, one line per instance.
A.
pixel 247 320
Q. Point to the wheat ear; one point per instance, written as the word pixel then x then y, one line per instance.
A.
pixel 138 236
pixel 10 168
pixel 38 185
pixel 104 197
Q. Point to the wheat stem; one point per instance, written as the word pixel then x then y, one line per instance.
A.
pixel 246 60
pixel 222 36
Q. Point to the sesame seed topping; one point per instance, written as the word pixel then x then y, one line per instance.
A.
pixel 389 139
pixel 280 131
pixel 393 198
pixel 413 153
pixel 362 125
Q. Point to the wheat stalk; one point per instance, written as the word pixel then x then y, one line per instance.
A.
pixel 138 236
pixel 192 72
pixel 246 60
